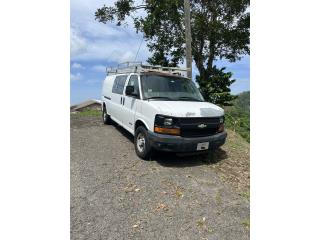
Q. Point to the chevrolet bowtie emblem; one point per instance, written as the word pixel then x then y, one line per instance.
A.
pixel 202 125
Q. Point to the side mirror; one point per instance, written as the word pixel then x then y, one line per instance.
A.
pixel 130 90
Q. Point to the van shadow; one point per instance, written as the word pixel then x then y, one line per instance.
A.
pixel 168 159
pixel 173 160
pixel 124 132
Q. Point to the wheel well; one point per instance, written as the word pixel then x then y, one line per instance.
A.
pixel 104 106
pixel 138 124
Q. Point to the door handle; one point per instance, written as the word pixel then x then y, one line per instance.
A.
pixel 123 100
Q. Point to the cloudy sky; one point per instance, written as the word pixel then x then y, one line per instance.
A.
pixel 95 45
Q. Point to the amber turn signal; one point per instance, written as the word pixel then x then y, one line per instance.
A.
pixel 221 128
pixel 171 131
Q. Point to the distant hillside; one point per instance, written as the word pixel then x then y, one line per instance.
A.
pixel 243 101
pixel 238 115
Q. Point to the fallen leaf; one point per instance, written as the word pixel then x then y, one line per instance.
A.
pixel 161 206
pixel 130 187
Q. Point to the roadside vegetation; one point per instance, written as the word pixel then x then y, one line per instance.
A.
pixel 89 112
pixel 238 115
pixel 232 163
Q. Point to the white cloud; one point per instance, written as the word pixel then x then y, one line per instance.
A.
pixel 75 77
pixel 77 66
pixel 118 50
pixel 127 56
pixel 91 40
pixel 99 68
pixel 77 43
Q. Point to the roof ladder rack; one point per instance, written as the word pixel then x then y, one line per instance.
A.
pixel 138 67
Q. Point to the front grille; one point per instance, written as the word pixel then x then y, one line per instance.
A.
pixel 190 127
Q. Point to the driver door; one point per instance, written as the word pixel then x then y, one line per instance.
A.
pixel 131 103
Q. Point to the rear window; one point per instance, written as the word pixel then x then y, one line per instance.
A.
pixel 118 84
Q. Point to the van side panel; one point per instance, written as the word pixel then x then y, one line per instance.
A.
pixel 107 91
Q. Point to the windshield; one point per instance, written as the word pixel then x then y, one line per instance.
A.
pixel 169 88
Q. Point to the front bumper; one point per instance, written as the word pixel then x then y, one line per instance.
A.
pixel 179 144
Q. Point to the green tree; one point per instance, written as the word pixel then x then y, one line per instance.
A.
pixel 215 87
pixel 220 30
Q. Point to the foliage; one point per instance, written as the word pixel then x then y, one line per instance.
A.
pixel 238 115
pixel 216 88
pixel 220 30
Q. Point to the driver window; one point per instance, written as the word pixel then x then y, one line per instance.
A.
pixel 133 81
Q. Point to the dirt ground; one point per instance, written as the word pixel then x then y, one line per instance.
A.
pixel 116 195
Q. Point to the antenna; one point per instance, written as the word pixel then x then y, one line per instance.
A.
pixel 138 49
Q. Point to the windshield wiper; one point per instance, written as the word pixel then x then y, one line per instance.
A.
pixel 159 98
pixel 190 98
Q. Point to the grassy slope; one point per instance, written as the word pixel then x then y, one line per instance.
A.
pixel 89 113
pixel 232 163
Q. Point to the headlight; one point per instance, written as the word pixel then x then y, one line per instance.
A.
pixel 167 122
pixel 166 125
pixel 222 119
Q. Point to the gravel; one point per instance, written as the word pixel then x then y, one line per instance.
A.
pixel 116 195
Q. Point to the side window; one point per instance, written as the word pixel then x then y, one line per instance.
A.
pixel 115 83
pixel 133 81
pixel 118 84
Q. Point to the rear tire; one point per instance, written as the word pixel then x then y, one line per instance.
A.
pixel 142 143
pixel 106 117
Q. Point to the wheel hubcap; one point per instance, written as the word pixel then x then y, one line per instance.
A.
pixel 141 142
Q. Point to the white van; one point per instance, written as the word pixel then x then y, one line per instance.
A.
pixel 162 110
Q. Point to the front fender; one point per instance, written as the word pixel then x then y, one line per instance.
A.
pixel 144 122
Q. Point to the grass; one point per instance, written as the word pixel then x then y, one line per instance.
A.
pixel 201 222
pixel 246 195
pixel 89 112
pixel 232 163
pixel 246 223
pixel 218 198
pixel 179 192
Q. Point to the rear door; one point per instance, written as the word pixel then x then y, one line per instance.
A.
pixel 130 103
pixel 117 98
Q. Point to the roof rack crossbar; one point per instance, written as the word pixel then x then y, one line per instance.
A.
pixel 138 67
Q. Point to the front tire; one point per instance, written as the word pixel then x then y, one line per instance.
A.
pixel 106 117
pixel 142 143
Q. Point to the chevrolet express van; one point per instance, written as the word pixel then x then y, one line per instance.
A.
pixel 162 110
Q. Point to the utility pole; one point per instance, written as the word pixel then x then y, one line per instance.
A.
pixel 188 37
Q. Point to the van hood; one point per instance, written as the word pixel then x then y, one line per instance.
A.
pixel 187 109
